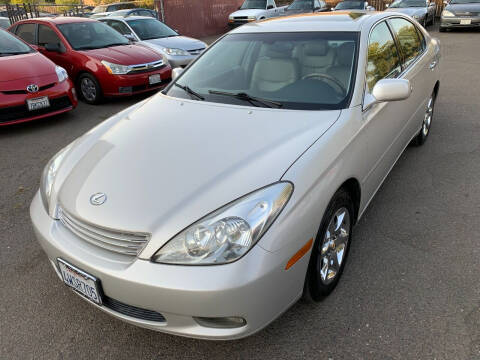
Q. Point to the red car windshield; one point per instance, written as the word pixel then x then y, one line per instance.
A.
pixel 10 45
pixel 91 35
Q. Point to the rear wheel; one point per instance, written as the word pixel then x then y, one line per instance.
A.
pixel 331 247
pixel 89 89
pixel 427 122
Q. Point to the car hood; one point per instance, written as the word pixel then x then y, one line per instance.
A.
pixel 474 7
pixel 169 162
pixel 178 42
pixel 125 55
pixel 19 70
pixel 409 11
pixel 248 12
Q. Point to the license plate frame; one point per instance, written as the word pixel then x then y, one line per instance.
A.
pixel 38 103
pixel 70 273
pixel 154 79
pixel 465 22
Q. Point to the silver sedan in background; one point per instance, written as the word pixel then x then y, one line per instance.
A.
pixel 421 10
pixel 209 209
pixel 179 50
pixel 460 14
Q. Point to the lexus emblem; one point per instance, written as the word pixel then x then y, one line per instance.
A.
pixel 98 198
pixel 32 88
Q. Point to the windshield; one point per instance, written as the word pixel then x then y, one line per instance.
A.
pixel 91 35
pixel 99 9
pixel 150 29
pixel 10 45
pixel 301 5
pixel 350 5
pixel 308 71
pixel 254 4
pixel 408 3
pixel 464 2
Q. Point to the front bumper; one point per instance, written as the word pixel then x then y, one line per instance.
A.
pixel 13 108
pixel 126 85
pixel 255 288
pixel 181 61
pixel 456 22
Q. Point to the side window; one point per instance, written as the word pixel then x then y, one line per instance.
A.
pixel 47 36
pixel 146 13
pixel 383 57
pixel 120 27
pixel 422 38
pixel 410 44
pixel 26 32
pixel 316 4
pixel 270 2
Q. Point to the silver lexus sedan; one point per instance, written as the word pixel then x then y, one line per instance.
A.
pixel 209 209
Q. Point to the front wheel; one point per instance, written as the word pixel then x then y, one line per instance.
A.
pixel 90 89
pixel 330 250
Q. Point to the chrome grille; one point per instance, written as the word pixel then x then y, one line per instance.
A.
pixel 122 242
pixel 135 69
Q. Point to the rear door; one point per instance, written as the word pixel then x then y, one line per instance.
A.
pixel 46 35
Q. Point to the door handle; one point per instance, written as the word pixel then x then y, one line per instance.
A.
pixel 433 64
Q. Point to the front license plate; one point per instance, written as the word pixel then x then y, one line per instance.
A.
pixel 38 103
pixel 154 79
pixel 465 22
pixel 83 283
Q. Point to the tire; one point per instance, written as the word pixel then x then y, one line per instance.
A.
pixel 89 89
pixel 319 282
pixel 422 136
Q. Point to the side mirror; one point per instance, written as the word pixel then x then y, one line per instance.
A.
pixel 387 5
pixel 176 72
pixel 53 47
pixel 269 7
pixel 130 37
pixel 388 90
pixel 366 4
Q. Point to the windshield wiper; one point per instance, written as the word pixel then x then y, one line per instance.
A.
pixel 190 91
pixel 251 99
pixel 14 53
pixel 115 44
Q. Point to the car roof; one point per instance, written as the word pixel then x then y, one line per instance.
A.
pixel 121 18
pixel 348 20
pixel 58 20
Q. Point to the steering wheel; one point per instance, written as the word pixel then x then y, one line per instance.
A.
pixel 332 80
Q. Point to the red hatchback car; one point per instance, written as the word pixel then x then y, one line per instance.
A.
pixel 99 60
pixel 31 86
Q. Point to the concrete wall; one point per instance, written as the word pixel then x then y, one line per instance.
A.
pixel 198 18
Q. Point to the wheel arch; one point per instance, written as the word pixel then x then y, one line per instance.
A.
pixel 436 88
pixel 353 188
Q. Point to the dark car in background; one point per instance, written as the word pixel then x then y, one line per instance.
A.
pixel 461 14
pixel 306 6
pixel 353 5
pixel 98 59
pixel 135 12
pixel 421 10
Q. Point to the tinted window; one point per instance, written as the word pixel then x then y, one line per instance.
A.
pixel 408 3
pixel 91 35
pixel 119 26
pixel 26 32
pixel 150 29
pixel 301 5
pixel 383 57
pixel 146 13
pixel 407 35
pixel 47 36
pixel 295 70
pixel 254 4
pixel 10 45
pixel 349 5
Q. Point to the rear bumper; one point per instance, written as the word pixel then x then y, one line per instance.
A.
pixel 455 22
pixel 255 288
pixel 13 108
pixel 126 85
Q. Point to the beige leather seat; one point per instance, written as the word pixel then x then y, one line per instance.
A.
pixel 342 70
pixel 275 69
pixel 316 57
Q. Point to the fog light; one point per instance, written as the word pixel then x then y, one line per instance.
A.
pixel 125 89
pixel 229 322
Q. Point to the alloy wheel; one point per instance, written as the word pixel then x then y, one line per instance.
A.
pixel 89 90
pixel 334 246
pixel 427 121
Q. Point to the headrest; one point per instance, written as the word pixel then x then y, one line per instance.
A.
pixel 345 54
pixel 317 48
pixel 279 50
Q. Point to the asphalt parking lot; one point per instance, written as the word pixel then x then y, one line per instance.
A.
pixel 411 289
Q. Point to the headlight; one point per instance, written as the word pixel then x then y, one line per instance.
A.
pixel 176 52
pixel 49 174
pixel 447 13
pixel 228 233
pixel 116 69
pixel 61 73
